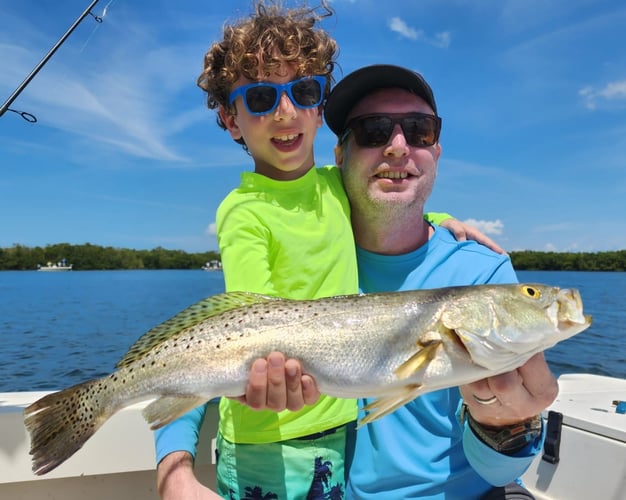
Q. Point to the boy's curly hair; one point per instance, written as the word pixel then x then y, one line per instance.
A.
pixel 259 44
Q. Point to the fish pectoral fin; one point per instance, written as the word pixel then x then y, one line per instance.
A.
pixel 388 404
pixel 168 408
pixel 419 360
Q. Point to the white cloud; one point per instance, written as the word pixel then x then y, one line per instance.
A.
pixel 441 39
pixel 210 230
pixel 399 26
pixel 612 91
pixel 486 226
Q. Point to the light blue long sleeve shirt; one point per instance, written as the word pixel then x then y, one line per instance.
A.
pixel 422 450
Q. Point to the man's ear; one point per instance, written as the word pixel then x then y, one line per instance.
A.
pixel 230 121
pixel 438 151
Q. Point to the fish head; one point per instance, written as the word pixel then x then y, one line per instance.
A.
pixel 504 325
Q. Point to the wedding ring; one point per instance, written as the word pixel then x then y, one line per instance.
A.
pixel 488 401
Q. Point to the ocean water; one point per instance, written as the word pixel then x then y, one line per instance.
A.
pixel 58 329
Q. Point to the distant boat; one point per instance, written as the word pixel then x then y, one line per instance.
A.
pixel 212 265
pixel 59 266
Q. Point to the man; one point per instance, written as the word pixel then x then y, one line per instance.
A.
pixel 453 443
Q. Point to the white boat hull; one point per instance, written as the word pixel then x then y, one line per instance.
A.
pixel 118 462
pixel 592 461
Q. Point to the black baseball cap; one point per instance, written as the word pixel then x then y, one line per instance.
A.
pixel 355 86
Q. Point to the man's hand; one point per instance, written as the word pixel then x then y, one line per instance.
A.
pixel 176 480
pixel 520 394
pixel 278 384
pixel 463 232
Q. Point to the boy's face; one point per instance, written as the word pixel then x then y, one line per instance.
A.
pixel 280 142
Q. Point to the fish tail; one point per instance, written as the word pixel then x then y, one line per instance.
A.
pixel 60 423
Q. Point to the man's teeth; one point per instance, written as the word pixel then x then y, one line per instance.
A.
pixel 286 138
pixel 393 175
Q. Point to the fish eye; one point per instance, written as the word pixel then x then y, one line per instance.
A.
pixel 530 291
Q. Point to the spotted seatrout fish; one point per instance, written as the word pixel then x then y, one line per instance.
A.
pixel 391 346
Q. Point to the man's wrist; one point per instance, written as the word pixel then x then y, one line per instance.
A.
pixel 506 439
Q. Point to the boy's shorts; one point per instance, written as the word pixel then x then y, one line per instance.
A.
pixel 311 467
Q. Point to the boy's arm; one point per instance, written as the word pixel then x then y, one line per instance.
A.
pixel 244 251
pixel 461 230
pixel 437 218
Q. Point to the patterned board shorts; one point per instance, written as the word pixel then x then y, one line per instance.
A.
pixel 311 467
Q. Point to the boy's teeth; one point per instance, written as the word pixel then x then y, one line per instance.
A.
pixel 286 138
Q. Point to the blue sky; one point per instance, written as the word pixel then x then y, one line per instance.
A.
pixel 125 154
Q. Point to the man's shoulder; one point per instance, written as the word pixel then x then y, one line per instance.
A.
pixel 445 238
pixel 469 261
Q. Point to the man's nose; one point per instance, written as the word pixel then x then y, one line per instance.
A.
pixel 397 145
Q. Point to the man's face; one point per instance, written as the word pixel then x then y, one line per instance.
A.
pixel 281 141
pixel 393 176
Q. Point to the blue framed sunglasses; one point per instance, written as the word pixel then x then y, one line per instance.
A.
pixel 262 98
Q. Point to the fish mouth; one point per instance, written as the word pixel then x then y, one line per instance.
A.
pixel 570 309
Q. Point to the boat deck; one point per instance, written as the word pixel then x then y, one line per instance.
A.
pixel 592 451
pixel 119 460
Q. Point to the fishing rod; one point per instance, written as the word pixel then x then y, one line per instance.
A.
pixel 28 116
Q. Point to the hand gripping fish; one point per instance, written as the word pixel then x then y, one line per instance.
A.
pixel 391 346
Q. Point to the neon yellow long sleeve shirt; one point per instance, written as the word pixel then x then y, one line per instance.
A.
pixel 289 239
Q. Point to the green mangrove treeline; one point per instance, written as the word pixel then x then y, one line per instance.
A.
pixel 88 256
pixel 566 261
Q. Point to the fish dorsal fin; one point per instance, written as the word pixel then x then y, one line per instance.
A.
pixel 194 314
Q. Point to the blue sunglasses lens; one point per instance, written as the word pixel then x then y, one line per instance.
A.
pixel 262 98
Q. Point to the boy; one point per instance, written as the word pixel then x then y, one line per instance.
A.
pixel 285 232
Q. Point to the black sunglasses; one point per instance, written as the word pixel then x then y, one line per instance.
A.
pixel 261 98
pixel 420 130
